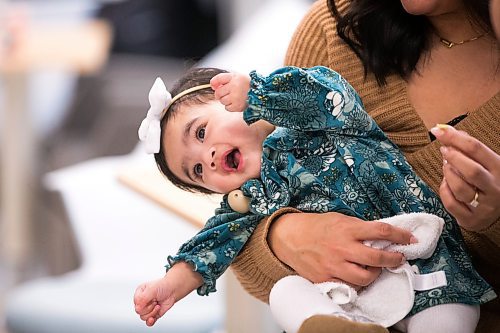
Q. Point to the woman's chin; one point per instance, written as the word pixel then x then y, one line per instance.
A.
pixel 420 7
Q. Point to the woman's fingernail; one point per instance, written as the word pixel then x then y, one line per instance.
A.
pixel 439 129
pixel 443 150
pixel 413 240
pixel 403 260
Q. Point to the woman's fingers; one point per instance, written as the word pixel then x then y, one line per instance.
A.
pixel 374 230
pixel 359 275
pixel 364 255
pixel 468 145
pixel 466 168
pixel 469 217
pixel 470 190
pixel 324 246
pixel 453 205
pixel 457 184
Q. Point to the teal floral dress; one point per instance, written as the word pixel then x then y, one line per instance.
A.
pixel 327 154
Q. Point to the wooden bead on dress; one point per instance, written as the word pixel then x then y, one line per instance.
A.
pixel 238 202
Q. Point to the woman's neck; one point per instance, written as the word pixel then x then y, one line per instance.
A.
pixel 455 26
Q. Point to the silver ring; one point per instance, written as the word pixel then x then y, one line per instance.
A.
pixel 474 203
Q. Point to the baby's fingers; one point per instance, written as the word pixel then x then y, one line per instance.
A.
pixel 139 300
pixel 222 92
pixel 143 310
pixel 144 299
pixel 220 80
pixel 151 315
pixel 151 321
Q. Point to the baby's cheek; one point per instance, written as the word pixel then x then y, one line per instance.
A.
pixel 253 165
pixel 225 183
pixel 236 181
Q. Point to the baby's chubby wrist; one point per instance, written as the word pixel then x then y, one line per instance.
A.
pixel 182 279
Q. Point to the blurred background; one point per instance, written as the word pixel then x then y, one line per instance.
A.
pixel 74 77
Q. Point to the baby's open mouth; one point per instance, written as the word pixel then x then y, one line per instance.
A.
pixel 231 160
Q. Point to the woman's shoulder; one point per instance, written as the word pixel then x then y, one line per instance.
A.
pixel 310 41
pixel 320 15
pixel 319 20
pixel 322 6
pixel 316 43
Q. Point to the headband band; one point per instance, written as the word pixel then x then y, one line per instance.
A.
pixel 184 93
pixel 160 101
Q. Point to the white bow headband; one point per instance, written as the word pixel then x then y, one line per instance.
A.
pixel 160 101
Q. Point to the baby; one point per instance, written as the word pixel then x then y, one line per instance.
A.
pixel 296 138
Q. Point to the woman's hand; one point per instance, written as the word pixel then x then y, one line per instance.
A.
pixel 231 89
pixel 471 175
pixel 329 246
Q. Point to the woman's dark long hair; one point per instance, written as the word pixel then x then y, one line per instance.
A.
pixel 387 39
pixel 192 78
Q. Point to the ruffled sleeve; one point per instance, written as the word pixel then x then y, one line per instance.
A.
pixel 214 248
pixel 310 99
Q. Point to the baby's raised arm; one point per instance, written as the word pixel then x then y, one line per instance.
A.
pixel 152 299
pixel 231 89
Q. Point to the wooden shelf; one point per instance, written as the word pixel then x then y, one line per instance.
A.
pixel 195 208
pixel 79 47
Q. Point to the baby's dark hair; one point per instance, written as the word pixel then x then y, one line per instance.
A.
pixel 194 77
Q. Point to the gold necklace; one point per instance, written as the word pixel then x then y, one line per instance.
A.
pixel 450 44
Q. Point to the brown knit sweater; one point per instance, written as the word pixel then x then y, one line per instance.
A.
pixel 316 43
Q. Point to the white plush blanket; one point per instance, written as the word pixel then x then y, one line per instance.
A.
pixel 389 299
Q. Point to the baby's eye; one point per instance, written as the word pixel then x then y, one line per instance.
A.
pixel 198 170
pixel 200 133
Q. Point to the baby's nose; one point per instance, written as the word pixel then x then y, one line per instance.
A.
pixel 211 159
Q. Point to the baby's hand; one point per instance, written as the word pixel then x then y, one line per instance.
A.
pixel 231 89
pixel 152 299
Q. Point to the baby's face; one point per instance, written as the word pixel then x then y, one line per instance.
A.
pixel 206 145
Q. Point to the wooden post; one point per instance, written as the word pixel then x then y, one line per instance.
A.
pixel 18 168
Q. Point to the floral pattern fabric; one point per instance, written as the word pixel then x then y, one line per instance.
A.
pixel 327 154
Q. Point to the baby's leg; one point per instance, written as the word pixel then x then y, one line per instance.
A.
pixel 293 299
pixel 453 317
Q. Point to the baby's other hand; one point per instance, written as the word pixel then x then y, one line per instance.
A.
pixel 231 89
pixel 152 300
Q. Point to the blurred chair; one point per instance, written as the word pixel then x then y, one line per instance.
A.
pixel 122 239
